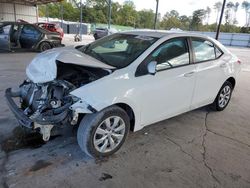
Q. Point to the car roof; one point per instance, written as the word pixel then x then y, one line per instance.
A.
pixel 163 33
pixel 46 23
pixel 24 23
pixel 18 23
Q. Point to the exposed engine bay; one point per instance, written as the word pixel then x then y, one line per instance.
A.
pixel 47 104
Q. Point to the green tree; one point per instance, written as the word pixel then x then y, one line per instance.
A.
pixel 128 14
pixel 53 10
pixel 96 11
pixel 171 20
pixel 145 19
pixel 228 13
pixel 235 9
pixel 185 22
pixel 197 18
pixel 246 5
pixel 208 12
pixel 217 7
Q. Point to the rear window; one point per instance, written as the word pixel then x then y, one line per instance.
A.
pixel 56 26
pixel 205 50
pixel 51 26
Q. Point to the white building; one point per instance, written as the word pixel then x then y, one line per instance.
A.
pixel 21 9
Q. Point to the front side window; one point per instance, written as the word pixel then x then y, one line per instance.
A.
pixel 173 53
pixel 118 50
pixel 205 50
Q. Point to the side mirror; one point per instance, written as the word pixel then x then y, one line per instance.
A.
pixel 152 67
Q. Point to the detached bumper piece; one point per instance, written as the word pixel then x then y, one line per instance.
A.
pixel 57 44
pixel 21 117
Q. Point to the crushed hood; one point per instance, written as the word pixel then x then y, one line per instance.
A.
pixel 43 67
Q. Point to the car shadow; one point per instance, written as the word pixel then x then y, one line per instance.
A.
pixel 65 141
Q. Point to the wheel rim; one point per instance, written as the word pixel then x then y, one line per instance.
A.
pixel 109 134
pixel 224 96
pixel 45 47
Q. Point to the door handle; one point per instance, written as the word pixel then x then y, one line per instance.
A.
pixel 224 65
pixel 189 74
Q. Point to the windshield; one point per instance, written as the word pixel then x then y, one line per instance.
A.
pixel 118 50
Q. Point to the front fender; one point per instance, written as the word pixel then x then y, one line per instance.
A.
pixel 104 93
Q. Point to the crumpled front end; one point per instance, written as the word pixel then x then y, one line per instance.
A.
pixel 42 105
pixel 45 99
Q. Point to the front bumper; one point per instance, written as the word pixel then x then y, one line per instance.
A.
pixel 42 119
pixel 19 114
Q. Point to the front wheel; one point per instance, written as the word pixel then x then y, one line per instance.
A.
pixel 101 134
pixel 223 96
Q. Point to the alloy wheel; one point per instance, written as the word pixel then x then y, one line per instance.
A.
pixel 224 96
pixel 109 134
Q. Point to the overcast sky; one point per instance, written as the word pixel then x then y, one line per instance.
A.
pixel 185 7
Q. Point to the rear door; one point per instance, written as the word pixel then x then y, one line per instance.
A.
pixel 29 36
pixel 5 37
pixel 210 71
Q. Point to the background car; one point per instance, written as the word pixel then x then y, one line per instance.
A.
pixel 102 32
pixel 16 36
pixel 53 27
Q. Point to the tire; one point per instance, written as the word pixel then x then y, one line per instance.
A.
pixel 224 93
pixel 95 36
pixel 88 133
pixel 44 46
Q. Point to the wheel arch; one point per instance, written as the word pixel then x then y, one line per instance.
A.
pixel 130 112
pixel 232 81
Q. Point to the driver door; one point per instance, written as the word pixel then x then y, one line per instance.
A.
pixel 169 92
pixel 5 37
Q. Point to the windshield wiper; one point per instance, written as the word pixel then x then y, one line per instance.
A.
pixel 98 56
pixel 86 48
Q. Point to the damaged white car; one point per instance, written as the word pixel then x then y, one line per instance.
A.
pixel 123 82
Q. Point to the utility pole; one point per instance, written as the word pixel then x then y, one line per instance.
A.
pixel 156 13
pixel 109 14
pixel 61 7
pixel 47 12
pixel 81 22
pixel 221 16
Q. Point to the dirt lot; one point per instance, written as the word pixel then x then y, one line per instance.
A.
pixel 201 148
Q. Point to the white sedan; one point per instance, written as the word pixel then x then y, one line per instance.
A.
pixel 123 82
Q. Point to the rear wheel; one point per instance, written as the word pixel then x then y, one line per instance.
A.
pixel 223 96
pixel 44 46
pixel 101 134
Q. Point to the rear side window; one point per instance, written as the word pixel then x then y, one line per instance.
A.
pixel 30 30
pixel 205 50
pixel 218 53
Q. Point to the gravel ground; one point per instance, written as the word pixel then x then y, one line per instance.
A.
pixel 201 148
